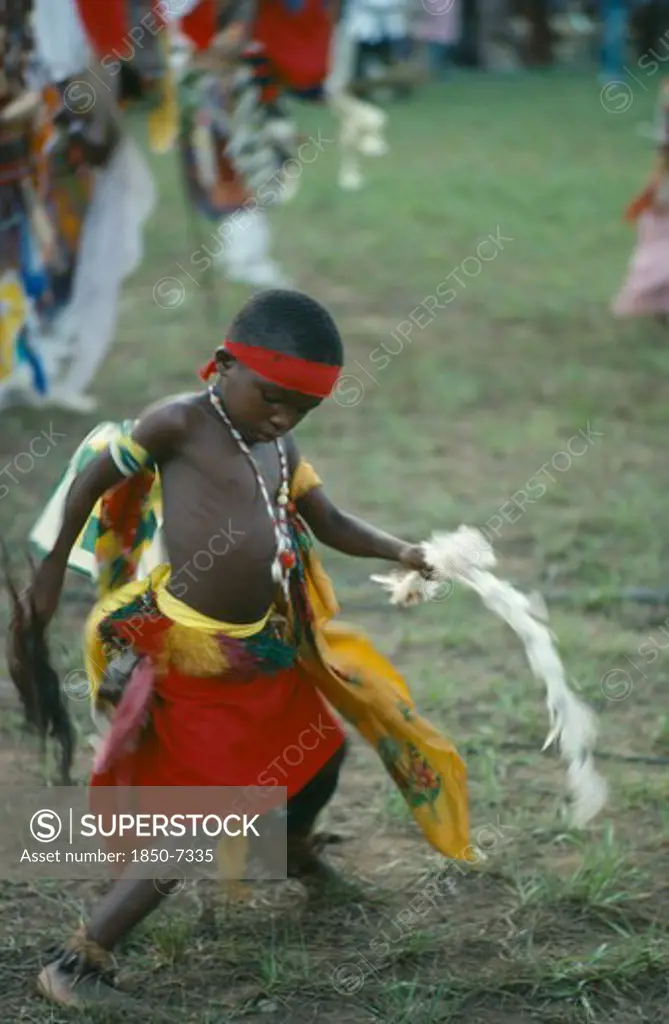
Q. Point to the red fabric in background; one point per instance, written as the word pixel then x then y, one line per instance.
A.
pixel 200 24
pixel 108 25
pixel 297 42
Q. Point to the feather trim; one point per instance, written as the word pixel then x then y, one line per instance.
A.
pixel 467 558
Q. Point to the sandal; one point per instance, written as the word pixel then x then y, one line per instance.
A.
pixel 80 973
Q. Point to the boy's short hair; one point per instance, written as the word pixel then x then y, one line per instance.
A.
pixel 291 323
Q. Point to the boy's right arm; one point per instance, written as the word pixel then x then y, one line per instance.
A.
pixel 158 433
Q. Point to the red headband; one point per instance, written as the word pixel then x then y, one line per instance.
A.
pixel 303 375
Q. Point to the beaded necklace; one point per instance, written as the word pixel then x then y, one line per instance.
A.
pixel 285 559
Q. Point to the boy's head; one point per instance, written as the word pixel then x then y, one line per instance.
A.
pixel 280 360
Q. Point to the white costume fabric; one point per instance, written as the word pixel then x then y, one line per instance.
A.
pixel 111 250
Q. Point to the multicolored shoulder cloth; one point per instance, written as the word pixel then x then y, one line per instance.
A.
pixel 122 539
pixel 121 544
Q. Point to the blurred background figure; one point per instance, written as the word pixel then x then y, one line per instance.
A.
pixel 649 23
pixel 645 291
pixel 74 197
pixel 642 23
pixel 493 34
pixel 438 28
pixel 540 36
pixel 378 31
pixel 615 15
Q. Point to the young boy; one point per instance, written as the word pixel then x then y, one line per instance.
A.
pixel 243 651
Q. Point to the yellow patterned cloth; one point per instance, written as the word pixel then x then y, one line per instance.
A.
pixel 356 679
pixel 13 316
pixel 121 539
pixel 163 120
pixel 129 456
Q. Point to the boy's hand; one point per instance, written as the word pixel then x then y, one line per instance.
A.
pixel 413 557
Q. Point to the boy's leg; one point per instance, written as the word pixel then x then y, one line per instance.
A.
pixel 81 970
pixel 303 810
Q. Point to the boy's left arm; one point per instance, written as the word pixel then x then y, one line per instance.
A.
pixel 343 532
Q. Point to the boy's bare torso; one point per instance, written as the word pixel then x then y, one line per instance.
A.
pixel 219 538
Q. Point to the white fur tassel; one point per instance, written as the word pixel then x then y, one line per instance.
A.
pixel 466 556
pixel 361 131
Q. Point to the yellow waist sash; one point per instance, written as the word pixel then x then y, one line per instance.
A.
pixel 180 613
pixel 190 645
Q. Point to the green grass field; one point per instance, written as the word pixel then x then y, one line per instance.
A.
pixel 521 385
